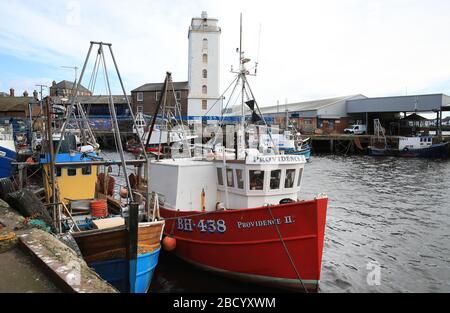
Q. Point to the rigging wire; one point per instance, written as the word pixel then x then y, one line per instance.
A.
pixel 235 82
pixel 102 61
pixel 221 97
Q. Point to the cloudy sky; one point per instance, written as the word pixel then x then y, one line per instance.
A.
pixel 308 49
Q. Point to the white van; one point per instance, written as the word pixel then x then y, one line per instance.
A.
pixel 357 129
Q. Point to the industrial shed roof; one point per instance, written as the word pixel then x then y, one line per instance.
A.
pixel 417 103
pixel 307 105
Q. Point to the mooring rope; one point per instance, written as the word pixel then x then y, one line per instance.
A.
pixel 287 251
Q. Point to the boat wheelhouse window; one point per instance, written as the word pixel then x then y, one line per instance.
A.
pixel 300 174
pixel 58 172
pixel 86 170
pixel 230 178
pixel 275 179
pixel 72 171
pixel 256 180
pixel 290 177
pixel 219 176
pixel 240 179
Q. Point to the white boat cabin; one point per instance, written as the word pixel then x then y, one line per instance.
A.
pixel 191 185
pixel 281 141
pixel 415 142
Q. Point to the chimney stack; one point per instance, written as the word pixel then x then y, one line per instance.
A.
pixel 35 95
pixel 25 94
pixel 11 92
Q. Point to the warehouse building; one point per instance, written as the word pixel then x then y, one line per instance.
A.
pixel 399 115
pixel 328 115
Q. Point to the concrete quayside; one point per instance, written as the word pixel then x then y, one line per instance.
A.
pixel 33 260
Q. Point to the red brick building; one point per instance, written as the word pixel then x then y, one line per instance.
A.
pixel 145 98
pixel 65 89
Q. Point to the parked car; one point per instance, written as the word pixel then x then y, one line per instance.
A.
pixel 357 129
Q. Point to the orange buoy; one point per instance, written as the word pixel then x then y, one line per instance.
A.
pixel 169 243
pixel 99 208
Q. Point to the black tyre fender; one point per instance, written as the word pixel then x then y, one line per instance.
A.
pixel 286 201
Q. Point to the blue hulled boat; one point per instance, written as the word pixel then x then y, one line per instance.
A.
pixel 7 151
pixel 116 272
pixel 304 150
pixel 100 231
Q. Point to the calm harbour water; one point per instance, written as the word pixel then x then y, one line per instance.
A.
pixel 389 211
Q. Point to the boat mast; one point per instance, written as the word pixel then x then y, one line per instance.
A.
pixel 74 100
pixel 144 154
pixel 242 73
pixel 115 123
pixel 54 199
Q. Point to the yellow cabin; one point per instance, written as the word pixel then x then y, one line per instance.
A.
pixel 75 182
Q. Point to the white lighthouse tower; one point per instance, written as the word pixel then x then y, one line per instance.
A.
pixel 204 72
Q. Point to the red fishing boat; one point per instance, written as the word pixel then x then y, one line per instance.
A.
pixel 239 212
pixel 243 219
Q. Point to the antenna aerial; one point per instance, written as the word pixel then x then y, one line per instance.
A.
pixel 259 47
pixel 75 68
